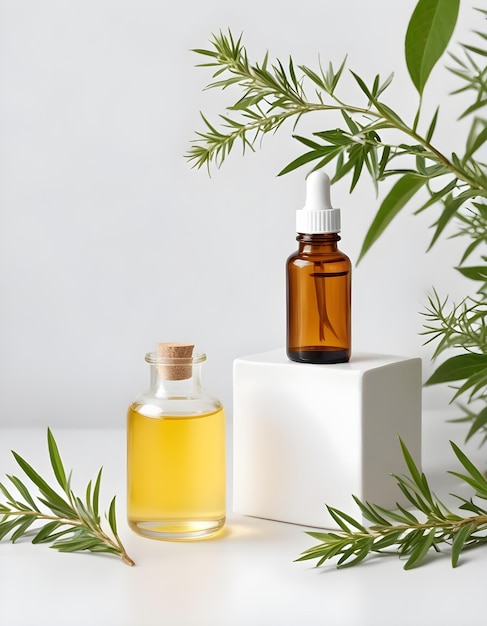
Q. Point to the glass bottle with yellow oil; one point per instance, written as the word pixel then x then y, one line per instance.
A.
pixel 176 483
pixel 318 282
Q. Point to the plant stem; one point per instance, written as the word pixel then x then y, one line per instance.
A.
pixel 438 523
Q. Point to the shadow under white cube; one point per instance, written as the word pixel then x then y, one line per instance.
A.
pixel 308 435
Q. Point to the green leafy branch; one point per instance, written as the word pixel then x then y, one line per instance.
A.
pixel 271 94
pixel 462 326
pixel 70 524
pixel 401 532
pixel 375 139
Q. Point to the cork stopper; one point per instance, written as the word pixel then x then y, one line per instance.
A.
pixel 182 367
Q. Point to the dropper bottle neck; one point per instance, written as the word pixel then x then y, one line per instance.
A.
pixel 322 242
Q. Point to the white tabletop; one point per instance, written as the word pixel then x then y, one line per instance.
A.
pixel 246 577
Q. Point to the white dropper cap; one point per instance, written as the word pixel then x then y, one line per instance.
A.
pixel 317 216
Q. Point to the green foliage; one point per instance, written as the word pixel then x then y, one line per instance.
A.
pixel 375 140
pixel 429 31
pixel 70 524
pixel 410 535
pixel 368 141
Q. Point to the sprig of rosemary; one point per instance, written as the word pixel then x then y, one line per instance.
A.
pixel 368 140
pixel 401 532
pixel 71 524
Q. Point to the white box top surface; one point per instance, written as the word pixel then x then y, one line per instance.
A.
pixel 360 362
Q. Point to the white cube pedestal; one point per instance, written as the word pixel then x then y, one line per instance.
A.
pixel 306 435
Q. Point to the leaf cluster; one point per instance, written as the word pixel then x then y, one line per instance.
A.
pixel 269 95
pixel 368 139
pixel 68 522
pixel 376 140
pixel 402 532
pixel 463 327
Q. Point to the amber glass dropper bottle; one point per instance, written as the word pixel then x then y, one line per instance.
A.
pixel 318 282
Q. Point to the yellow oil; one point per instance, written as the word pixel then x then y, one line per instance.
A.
pixel 176 474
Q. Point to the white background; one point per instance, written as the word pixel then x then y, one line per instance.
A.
pixel 110 242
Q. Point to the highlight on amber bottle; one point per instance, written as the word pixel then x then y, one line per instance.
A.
pixel 176 478
pixel 318 282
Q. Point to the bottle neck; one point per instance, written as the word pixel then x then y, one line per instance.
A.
pixel 175 377
pixel 324 241
pixel 164 387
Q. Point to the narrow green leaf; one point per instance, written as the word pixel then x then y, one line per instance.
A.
pixel 96 494
pixel 410 539
pixel 88 498
pixel 480 104
pixel 403 517
pixel 469 505
pixel 478 487
pixel 10 499
pixel 45 532
pixel 369 511
pixel 476 138
pixel 351 521
pixel 8 526
pixel 432 126
pixel 363 86
pixel 420 550
pixel 458 367
pixel 336 515
pixel 26 522
pixel 387 540
pixel 61 510
pixel 459 541
pixel 476 50
pixel 429 31
pixel 315 78
pixel 469 249
pixel 45 489
pixel 385 84
pixel 77 545
pixel 400 194
pixel 54 536
pixel 354 129
pixel 413 469
pixel 360 554
pixel 475 383
pixel 82 511
pixel 438 195
pixel 55 457
pixel 476 474
pixel 412 495
pixel 308 142
pixel 479 423
pixel 388 113
pixel 478 272
pixel 23 491
pixel 302 160
pixel 452 204
pixel 322 536
pixel 112 519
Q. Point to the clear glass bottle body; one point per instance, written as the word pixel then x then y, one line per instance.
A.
pixel 318 301
pixel 176 479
